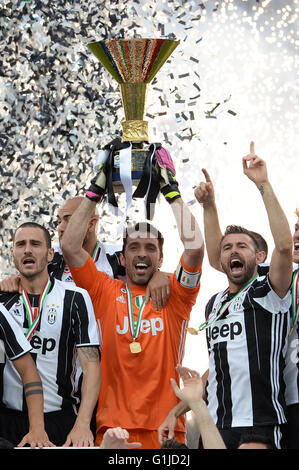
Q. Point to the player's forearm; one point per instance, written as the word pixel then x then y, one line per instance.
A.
pixel 35 406
pixel 213 235
pixel 73 237
pixel 209 433
pixel 33 390
pixel 278 222
pixel 180 409
pixel 90 385
pixel 189 232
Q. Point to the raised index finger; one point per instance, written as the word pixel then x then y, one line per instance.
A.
pixel 252 148
pixel 207 176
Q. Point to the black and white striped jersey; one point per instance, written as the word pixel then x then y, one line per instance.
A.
pixel 247 348
pixel 106 258
pixel 291 372
pixel 13 343
pixel 67 322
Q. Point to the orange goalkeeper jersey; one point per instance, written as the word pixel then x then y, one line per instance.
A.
pixel 136 391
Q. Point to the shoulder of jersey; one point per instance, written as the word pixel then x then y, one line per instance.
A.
pixel 66 285
pixel 111 249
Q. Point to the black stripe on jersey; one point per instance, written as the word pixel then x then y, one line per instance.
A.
pixel 265 363
pixel 259 364
pixel 279 362
pixel 224 412
pixel 9 299
pixel 74 331
pixel 179 272
pixel 12 346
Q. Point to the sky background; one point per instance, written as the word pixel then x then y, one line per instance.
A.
pixel 232 79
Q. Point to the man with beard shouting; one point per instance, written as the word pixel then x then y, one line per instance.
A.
pixel 247 327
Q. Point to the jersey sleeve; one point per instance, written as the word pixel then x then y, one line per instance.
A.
pixel 267 298
pixel 90 278
pixel 84 322
pixel 12 338
pixel 185 285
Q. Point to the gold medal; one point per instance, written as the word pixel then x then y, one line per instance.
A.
pixel 135 347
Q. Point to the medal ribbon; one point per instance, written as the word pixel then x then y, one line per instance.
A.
pixel 32 320
pixel 221 309
pixel 96 251
pixel 295 306
pixel 134 330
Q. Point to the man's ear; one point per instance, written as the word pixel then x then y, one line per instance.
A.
pixel 160 262
pixel 260 257
pixel 50 254
pixel 122 260
pixel 93 221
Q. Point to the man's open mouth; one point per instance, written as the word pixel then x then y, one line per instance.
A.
pixel 236 266
pixel 28 261
pixel 141 267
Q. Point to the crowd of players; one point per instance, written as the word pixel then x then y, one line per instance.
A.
pixel 92 336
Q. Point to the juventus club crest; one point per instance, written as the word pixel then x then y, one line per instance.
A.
pixel 238 304
pixel 52 314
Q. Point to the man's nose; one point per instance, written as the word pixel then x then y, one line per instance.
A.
pixel 27 248
pixel 61 226
pixel 142 252
pixel 234 252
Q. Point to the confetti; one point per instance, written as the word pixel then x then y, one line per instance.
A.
pixel 59 106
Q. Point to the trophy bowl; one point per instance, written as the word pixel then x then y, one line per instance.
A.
pixel 133 63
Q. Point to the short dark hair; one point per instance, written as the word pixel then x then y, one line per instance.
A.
pixel 143 227
pixel 173 444
pixel 262 244
pixel 232 229
pixel 257 438
pixel 36 225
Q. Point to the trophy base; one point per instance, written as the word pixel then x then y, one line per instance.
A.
pixel 137 165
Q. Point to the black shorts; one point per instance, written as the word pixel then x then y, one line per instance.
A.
pixel 14 425
pixel 290 430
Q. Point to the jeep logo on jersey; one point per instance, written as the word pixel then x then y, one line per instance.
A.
pixel 42 345
pixel 154 325
pixel 226 330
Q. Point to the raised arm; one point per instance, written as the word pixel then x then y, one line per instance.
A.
pixel 280 273
pixel 205 195
pixel 188 228
pixel 192 395
pixel 73 237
